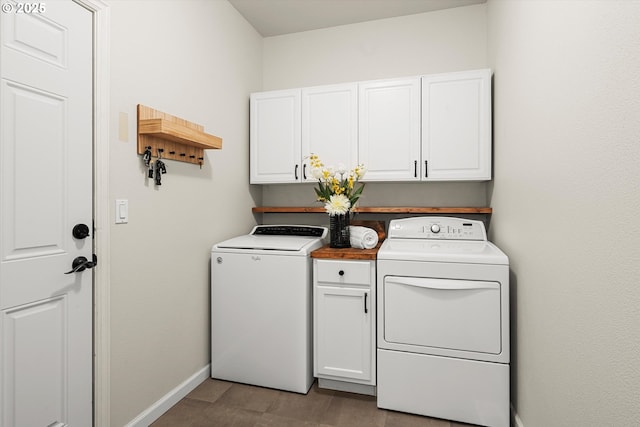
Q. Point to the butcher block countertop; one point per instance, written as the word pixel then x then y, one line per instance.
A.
pixel 327 252
pixel 376 210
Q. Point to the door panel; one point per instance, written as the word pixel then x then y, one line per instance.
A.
pixel 456 126
pixel 28 231
pixel 35 368
pixel 275 137
pixel 46 169
pixel 389 129
pixel 37 36
pixel 330 126
pixel 442 314
pixel 343 333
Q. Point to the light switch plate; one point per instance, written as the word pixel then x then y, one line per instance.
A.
pixel 123 127
pixel 122 211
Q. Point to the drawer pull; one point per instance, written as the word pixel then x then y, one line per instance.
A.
pixel 341 272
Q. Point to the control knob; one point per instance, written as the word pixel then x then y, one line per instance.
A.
pixel 435 228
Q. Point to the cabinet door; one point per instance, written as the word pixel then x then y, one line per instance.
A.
pixel 275 137
pixel 456 126
pixel 389 125
pixel 343 332
pixel 330 125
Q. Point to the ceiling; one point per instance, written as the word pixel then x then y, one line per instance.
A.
pixel 277 17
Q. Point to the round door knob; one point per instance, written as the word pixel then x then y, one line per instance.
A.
pixel 80 231
pixel 341 272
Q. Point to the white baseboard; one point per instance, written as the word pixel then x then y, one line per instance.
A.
pixel 154 411
pixel 515 419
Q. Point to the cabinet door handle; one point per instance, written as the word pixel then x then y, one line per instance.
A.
pixel 295 172
pixel 304 171
pixel 415 168
pixel 426 171
pixel 365 303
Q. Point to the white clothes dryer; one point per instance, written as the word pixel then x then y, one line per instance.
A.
pixel 443 321
pixel 261 307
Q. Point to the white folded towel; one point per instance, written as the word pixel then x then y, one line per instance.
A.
pixel 362 237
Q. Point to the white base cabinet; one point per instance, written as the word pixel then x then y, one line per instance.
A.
pixel 344 324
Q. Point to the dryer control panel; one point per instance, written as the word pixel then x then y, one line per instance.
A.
pixel 437 228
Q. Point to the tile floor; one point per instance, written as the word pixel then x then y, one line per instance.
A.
pixel 220 404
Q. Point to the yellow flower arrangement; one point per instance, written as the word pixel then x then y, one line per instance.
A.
pixel 336 187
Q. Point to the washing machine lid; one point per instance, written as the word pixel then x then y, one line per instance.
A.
pixel 471 252
pixel 273 243
pixel 299 239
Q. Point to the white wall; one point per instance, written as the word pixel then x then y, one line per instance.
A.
pixel 198 60
pixel 566 196
pixel 442 41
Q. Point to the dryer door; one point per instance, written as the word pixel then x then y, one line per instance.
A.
pixel 441 316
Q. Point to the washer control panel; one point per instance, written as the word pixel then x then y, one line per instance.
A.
pixel 439 228
pixel 289 230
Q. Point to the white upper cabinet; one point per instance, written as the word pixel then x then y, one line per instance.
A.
pixel 424 128
pixel 289 125
pixel 389 125
pixel 456 126
pixel 275 137
pixel 330 125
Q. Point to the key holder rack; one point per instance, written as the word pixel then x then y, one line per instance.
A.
pixel 176 138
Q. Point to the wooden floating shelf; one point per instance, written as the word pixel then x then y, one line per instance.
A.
pixel 178 133
pixel 178 139
pixel 375 209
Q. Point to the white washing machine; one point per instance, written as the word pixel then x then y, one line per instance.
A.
pixel 261 307
pixel 443 321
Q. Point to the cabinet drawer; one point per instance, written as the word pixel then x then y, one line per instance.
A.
pixel 352 272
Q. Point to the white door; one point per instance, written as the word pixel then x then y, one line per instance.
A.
pixel 389 129
pixel 330 126
pixel 456 126
pixel 275 137
pixel 45 190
